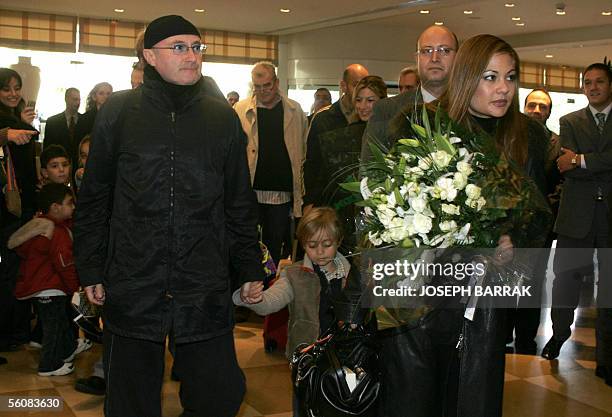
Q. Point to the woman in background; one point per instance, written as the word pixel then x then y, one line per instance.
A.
pixel 95 99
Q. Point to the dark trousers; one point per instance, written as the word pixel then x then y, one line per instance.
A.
pixel 212 384
pixel 525 319
pixel 58 340
pixel 274 221
pixel 574 260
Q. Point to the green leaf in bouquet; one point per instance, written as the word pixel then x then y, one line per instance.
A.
pixel 377 153
pixel 443 144
pixel 398 195
pixel 413 143
pixel 402 165
pixel 366 203
pixel 388 185
pixel 351 186
pixel 420 131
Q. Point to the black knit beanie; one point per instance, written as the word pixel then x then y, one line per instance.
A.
pixel 166 26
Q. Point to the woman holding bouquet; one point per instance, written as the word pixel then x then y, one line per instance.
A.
pixel 447 365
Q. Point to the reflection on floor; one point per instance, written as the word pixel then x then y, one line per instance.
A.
pixel 566 387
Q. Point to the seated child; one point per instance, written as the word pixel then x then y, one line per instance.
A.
pixel 308 286
pixel 48 276
pixel 55 165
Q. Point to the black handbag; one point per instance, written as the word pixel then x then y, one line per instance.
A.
pixel 321 373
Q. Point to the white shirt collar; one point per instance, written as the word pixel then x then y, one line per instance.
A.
pixel 427 96
pixel 605 111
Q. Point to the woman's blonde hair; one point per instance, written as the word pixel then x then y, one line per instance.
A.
pixel 374 83
pixel 317 220
pixel 470 63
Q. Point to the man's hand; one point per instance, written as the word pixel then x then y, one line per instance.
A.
pixel 564 162
pixel 96 294
pixel 504 252
pixel 252 292
pixel 20 137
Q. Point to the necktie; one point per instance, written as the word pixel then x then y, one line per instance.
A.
pixel 71 127
pixel 601 121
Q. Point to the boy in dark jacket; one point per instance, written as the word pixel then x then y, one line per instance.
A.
pixel 47 275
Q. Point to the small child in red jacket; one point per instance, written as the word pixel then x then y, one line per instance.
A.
pixel 48 276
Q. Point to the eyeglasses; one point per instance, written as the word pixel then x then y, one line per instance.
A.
pixel 182 48
pixel 442 50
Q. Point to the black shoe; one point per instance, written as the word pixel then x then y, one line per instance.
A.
pixel 552 349
pixel 3 360
pixel 528 348
pixel 92 385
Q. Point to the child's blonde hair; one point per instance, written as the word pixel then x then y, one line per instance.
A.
pixel 317 220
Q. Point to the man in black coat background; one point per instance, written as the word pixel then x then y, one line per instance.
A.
pixel 60 128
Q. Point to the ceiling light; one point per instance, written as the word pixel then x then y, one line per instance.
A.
pixel 509 4
pixel 608 13
pixel 560 9
pixel 119 10
pixel 468 11
pixel 424 11
pixel 516 18
pixel 520 24
pixel 439 23
pixel 285 10
pixel 198 10
pixel 549 56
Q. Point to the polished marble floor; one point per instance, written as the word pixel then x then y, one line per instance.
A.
pixel 566 387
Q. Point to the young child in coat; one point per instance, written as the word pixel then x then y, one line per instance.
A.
pixel 47 276
pixel 309 286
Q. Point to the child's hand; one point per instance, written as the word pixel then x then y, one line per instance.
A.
pixel 79 173
pixel 96 294
pixel 252 292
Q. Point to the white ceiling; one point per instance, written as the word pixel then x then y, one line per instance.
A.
pixel 544 31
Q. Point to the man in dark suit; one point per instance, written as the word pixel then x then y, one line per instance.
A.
pixel 436 49
pixel 334 118
pixel 583 218
pixel 60 129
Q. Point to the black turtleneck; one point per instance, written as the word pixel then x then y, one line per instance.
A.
pixel 488 124
pixel 179 95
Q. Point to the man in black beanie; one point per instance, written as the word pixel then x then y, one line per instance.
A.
pixel 165 208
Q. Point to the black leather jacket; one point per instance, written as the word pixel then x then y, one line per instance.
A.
pixel 166 204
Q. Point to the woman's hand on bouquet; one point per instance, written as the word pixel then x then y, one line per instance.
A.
pixel 504 252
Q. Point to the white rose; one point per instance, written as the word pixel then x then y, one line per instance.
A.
pixel 424 163
pixel 445 189
pixel 418 204
pixel 374 238
pixel 464 168
pixel 422 224
pixel 440 158
pixel 385 215
pixel 448 226
pixel 460 180
pixel 397 231
pixel 472 191
pixel 450 209
pixel 480 203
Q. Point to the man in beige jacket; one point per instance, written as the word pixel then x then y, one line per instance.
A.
pixel 276 128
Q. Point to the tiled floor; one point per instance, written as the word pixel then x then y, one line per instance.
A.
pixel 534 386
